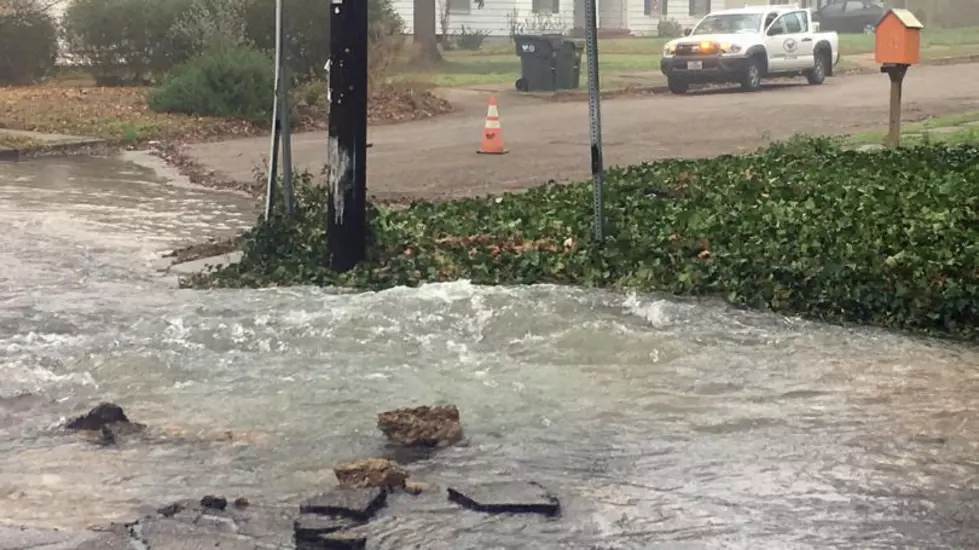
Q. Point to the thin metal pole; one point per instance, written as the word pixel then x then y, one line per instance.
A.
pixel 276 122
pixel 346 223
pixel 595 116
pixel 286 140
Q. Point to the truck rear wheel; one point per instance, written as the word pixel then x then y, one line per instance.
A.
pixel 677 86
pixel 751 79
pixel 817 75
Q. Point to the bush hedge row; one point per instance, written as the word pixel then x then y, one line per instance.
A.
pixel 886 238
pixel 226 82
pixel 137 40
pixel 28 42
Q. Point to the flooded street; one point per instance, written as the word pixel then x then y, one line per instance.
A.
pixel 659 423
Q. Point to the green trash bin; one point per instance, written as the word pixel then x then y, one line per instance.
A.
pixel 567 72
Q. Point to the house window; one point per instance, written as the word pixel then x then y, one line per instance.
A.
pixel 699 7
pixel 459 6
pixel 546 6
pixel 653 7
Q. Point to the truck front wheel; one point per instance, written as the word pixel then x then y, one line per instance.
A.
pixel 677 86
pixel 751 79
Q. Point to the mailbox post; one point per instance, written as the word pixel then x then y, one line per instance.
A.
pixel 898 46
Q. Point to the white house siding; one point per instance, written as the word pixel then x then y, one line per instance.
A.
pixel 613 14
pixel 680 10
pixel 640 22
pixel 645 15
pixel 496 16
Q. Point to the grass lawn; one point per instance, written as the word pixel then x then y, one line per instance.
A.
pixel 951 129
pixel 497 64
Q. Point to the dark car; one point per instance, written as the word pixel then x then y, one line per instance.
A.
pixel 849 15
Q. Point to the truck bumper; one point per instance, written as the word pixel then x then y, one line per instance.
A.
pixel 712 69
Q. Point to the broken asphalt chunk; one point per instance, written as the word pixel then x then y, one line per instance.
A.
pixel 214 503
pixel 356 504
pixel 435 426
pixel 309 527
pixel 507 497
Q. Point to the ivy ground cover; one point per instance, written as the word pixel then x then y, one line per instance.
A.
pixel 804 227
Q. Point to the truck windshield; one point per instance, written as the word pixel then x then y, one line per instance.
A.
pixel 729 23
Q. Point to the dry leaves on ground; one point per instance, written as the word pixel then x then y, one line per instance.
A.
pixel 121 114
pixel 118 114
pixel 391 104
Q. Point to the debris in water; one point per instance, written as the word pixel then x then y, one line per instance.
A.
pixel 507 497
pixel 171 509
pixel 241 502
pixel 308 528
pixel 340 540
pixel 415 487
pixel 214 503
pixel 103 415
pixel 356 504
pixel 425 426
pixel 370 472
pixel 107 437
pixel 104 424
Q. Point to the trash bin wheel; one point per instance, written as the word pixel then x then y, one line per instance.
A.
pixel 522 85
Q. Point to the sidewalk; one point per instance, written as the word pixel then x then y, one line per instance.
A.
pixel 15 144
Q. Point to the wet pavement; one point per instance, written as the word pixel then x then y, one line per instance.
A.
pixel 550 140
pixel 658 423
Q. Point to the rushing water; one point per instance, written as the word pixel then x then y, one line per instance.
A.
pixel 659 423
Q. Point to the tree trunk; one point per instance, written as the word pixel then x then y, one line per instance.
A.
pixel 426 41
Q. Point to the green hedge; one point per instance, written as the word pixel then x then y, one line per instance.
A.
pixel 28 42
pixel 224 82
pixel 124 41
pixel 886 238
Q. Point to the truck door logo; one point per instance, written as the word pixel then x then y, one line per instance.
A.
pixel 790 45
pixel 528 48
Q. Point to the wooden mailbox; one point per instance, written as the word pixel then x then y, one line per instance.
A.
pixel 898 46
pixel 898 38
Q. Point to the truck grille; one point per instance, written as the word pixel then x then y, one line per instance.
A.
pixel 690 49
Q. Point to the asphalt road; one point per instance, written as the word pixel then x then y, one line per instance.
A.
pixel 436 158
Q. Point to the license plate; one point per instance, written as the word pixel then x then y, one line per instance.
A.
pixel 695 65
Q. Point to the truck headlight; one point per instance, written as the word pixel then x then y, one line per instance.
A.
pixel 730 48
pixel 670 49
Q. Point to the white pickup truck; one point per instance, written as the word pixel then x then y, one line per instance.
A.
pixel 748 44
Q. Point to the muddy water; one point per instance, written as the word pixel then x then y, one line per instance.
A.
pixel 660 423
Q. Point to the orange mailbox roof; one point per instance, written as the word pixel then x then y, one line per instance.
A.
pixel 908 19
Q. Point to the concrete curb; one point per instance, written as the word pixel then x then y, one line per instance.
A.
pixel 56 148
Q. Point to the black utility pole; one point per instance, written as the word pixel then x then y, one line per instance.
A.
pixel 346 223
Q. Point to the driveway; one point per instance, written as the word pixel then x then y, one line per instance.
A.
pixel 437 158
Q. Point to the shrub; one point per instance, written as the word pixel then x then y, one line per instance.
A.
pixel 209 24
pixel 307 21
pixel 386 39
pixel 225 82
pixel 28 42
pixel 124 41
pixel 471 39
pixel 669 28
pixel 884 238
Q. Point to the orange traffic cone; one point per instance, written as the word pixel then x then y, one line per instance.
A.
pixel 492 132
